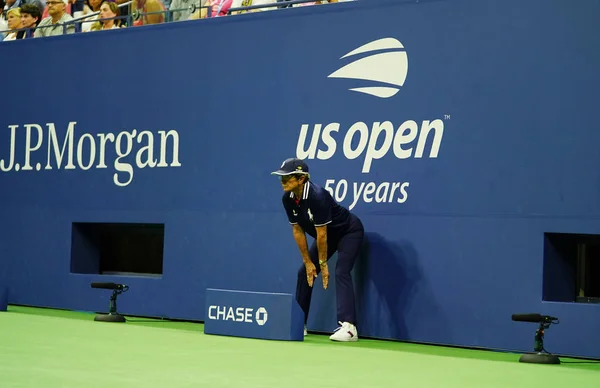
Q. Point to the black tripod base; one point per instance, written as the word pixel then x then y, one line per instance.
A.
pixel 109 318
pixel 539 358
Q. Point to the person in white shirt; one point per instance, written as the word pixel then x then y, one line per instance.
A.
pixel 13 18
pixel 53 24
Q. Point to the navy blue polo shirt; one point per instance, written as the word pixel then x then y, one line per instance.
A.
pixel 317 208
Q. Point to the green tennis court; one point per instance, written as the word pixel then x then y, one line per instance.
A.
pixel 54 348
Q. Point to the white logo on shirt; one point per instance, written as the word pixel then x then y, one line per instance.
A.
pixel 310 216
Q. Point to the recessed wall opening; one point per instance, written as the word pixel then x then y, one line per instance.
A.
pixel 571 267
pixel 117 249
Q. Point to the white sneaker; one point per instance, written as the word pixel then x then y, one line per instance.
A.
pixel 305 332
pixel 345 333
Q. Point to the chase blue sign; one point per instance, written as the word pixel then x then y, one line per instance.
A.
pixel 262 315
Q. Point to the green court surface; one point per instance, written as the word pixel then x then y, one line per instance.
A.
pixel 53 348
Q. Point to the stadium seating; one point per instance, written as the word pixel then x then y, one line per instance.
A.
pixel 22 19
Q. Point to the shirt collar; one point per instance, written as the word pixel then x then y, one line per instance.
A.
pixel 304 191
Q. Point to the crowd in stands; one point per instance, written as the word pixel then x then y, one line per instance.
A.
pixel 22 19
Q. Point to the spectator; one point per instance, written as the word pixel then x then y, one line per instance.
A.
pixel 220 7
pixel 90 7
pixel 13 18
pixel 68 9
pixel 31 16
pixel 109 11
pixel 9 4
pixel 3 24
pixel 94 5
pixel 181 8
pixel 155 8
pixel 53 24
pixel 200 13
pixel 248 3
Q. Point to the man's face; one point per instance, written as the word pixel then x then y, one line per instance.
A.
pixel 55 7
pixel 27 20
pixel 290 182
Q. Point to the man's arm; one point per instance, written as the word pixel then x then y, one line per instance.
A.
pixel 300 238
pixel 322 243
pixel 321 209
pixel 322 248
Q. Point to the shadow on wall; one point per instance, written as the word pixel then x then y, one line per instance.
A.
pixel 394 298
pixel 390 285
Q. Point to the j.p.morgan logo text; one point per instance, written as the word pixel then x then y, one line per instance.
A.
pixel 35 148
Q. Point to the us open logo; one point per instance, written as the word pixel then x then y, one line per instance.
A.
pixel 388 68
pixel 261 316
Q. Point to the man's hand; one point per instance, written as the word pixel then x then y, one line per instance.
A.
pixel 325 274
pixel 311 272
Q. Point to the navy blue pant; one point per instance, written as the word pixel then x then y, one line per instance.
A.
pixel 348 248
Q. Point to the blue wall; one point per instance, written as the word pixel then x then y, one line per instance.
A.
pixel 509 87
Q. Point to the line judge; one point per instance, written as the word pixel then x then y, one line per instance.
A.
pixel 312 210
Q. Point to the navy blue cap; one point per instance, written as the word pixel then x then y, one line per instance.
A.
pixel 292 166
